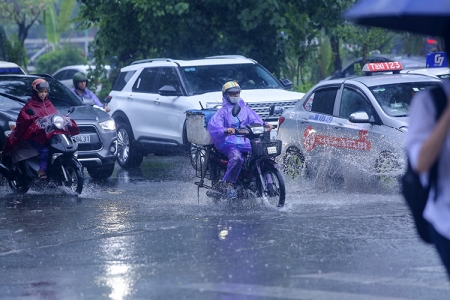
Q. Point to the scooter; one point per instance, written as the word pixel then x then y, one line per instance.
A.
pixel 259 177
pixel 63 168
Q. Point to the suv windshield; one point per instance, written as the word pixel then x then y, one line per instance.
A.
pixel 395 99
pixel 20 87
pixel 204 79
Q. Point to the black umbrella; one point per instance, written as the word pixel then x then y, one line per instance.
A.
pixel 430 17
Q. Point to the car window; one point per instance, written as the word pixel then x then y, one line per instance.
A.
pixel 69 74
pixel 20 87
pixel 60 75
pixel 352 102
pixel 204 79
pixel 122 80
pixel 168 76
pixel 322 101
pixel 395 99
pixel 145 83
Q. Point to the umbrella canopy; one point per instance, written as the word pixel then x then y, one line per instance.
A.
pixel 429 17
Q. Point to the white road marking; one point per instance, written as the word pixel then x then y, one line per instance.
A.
pixel 391 281
pixel 280 292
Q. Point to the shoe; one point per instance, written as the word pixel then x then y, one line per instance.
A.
pixel 41 174
pixel 231 191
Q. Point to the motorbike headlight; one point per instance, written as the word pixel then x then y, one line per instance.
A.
pixel 108 124
pixel 258 129
pixel 58 121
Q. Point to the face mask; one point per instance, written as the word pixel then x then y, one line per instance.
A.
pixel 234 100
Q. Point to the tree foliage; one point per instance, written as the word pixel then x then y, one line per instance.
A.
pixel 23 13
pixel 52 61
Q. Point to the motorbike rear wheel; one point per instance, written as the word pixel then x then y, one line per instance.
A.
pixel 75 178
pixel 274 188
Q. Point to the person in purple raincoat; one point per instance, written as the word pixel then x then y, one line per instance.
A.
pixel 231 145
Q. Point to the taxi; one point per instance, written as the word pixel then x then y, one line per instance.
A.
pixel 352 128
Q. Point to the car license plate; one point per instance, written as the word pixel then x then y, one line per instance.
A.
pixel 82 138
pixel 271 150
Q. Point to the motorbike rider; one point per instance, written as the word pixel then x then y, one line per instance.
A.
pixel 232 145
pixel 80 83
pixel 42 107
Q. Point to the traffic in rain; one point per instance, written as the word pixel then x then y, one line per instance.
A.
pixel 224 150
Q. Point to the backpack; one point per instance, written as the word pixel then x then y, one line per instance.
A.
pixel 415 194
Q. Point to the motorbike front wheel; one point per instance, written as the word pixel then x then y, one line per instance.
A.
pixel 73 178
pixel 273 187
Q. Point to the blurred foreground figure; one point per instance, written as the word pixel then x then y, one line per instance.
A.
pixel 427 140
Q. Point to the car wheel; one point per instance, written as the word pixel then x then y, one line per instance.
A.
pixel 102 172
pixel 387 166
pixel 128 154
pixel 294 165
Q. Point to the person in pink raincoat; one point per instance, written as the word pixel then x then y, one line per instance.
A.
pixel 222 127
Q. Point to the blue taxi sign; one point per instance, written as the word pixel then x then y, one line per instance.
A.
pixel 437 60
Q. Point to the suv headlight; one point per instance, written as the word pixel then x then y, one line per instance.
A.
pixel 108 124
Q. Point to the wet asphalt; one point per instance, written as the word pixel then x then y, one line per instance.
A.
pixel 147 234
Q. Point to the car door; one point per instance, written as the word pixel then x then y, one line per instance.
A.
pixel 168 113
pixel 354 141
pixel 140 110
pixel 316 122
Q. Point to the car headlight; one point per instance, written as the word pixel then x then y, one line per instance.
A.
pixel 58 121
pixel 108 124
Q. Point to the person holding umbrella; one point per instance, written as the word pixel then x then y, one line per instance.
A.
pixel 427 140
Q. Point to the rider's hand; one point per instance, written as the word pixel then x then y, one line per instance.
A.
pixel 270 126
pixel 230 130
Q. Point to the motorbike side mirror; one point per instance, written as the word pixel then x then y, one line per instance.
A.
pixel 236 110
pixel 30 111
pixel 71 110
pixel 107 99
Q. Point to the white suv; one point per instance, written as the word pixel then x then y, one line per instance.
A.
pixel 150 98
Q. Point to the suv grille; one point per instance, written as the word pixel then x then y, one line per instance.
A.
pixel 262 109
pixel 90 130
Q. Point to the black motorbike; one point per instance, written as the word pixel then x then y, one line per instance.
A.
pixel 63 168
pixel 259 177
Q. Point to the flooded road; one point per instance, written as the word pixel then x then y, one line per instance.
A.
pixel 146 234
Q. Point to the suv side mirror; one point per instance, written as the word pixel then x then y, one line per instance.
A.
pixel 286 83
pixel 169 90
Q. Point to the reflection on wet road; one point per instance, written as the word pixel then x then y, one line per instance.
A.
pixel 144 234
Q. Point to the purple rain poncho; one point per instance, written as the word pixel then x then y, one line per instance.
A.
pixel 231 145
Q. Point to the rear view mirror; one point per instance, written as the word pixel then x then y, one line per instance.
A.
pixel 359 117
pixel 236 110
pixel 169 90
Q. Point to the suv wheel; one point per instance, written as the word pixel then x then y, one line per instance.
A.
pixel 128 155
pixel 102 172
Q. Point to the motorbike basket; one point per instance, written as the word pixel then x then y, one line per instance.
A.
pixel 263 148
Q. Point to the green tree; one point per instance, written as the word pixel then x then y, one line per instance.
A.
pixel 23 13
pixel 52 61
pixel 189 29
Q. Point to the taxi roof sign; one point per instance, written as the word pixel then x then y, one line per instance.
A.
pixel 437 60
pixel 390 66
